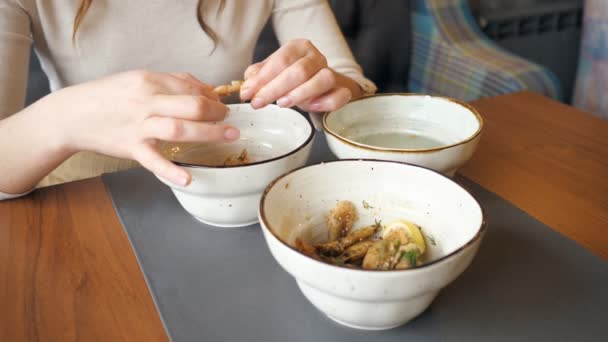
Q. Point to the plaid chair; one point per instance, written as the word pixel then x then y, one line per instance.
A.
pixel 592 74
pixel 452 57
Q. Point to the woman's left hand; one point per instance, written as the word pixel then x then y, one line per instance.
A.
pixel 297 75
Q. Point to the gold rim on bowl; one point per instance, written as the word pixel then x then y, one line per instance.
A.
pixel 405 150
pixel 266 226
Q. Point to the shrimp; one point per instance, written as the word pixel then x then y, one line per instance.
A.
pixel 341 220
pixel 355 252
pixel 223 90
pixel 306 249
pixel 337 247
pixel 380 256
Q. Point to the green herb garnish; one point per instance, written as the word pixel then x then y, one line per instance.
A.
pixel 430 238
pixel 410 256
pixel 397 243
pixel 366 205
pixel 378 225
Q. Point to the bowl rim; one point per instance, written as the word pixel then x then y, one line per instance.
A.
pixel 264 161
pixel 356 144
pixel 265 226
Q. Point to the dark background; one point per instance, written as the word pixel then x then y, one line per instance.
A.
pixel 544 31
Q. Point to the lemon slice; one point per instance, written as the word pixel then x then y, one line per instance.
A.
pixel 405 231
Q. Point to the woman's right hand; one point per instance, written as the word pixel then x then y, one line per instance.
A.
pixel 125 115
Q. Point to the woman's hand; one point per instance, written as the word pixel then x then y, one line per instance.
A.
pixel 297 75
pixel 125 116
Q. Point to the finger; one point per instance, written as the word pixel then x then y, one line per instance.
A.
pixel 273 65
pixel 172 85
pixel 289 79
pixel 246 92
pixel 196 108
pixel 332 100
pixel 252 70
pixel 188 77
pixel 152 160
pixel 321 83
pixel 208 89
pixel 178 130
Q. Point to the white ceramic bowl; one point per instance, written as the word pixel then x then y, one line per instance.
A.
pixel 434 132
pixel 296 204
pixel 278 140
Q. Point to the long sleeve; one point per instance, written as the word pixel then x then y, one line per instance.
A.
pixel 15 44
pixel 314 20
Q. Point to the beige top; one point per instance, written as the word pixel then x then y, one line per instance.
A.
pixel 158 35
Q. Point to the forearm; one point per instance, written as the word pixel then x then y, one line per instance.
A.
pixel 31 147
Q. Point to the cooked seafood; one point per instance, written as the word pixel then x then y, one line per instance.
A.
pixel 406 232
pixel 336 247
pixel 241 159
pixel 355 253
pixel 379 256
pixel 226 89
pixel 396 246
pixel 341 219
pixel 306 249
pixel 390 254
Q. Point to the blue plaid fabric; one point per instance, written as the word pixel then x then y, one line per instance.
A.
pixel 452 57
pixel 592 74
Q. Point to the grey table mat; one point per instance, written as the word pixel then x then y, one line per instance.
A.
pixel 527 282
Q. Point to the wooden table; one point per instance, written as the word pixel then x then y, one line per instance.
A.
pixel 67 270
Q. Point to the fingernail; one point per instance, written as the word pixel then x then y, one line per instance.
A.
pixel 284 102
pixel 258 102
pixel 182 180
pixel 231 133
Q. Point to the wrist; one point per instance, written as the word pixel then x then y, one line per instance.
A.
pixel 347 82
pixel 49 127
pixel 359 86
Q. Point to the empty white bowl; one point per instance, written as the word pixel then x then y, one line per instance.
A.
pixel 430 131
pixel 277 139
pixel 296 205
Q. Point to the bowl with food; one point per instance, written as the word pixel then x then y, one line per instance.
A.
pixel 431 131
pixel 370 243
pixel 229 178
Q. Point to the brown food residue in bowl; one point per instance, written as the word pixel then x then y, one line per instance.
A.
pixel 240 159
